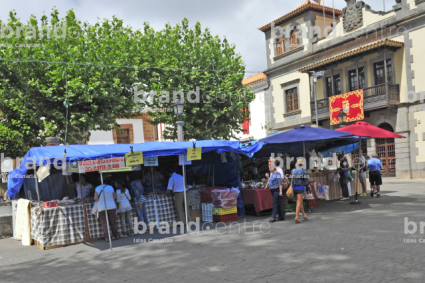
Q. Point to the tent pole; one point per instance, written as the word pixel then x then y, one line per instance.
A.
pixel 106 211
pixel 184 190
pixel 36 183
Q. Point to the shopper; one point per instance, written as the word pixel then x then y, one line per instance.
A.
pixel 362 174
pixel 136 191
pixel 277 166
pixel 343 173
pixel 102 195
pixel 176 185
pixel 299 185
pixel 83 188
pixel 374 166
pixel 124 207
pixel 276 188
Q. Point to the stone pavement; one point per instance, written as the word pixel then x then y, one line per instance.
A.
pixel 340 243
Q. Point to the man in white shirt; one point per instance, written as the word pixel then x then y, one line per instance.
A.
pixel 176 186
pixel 279 170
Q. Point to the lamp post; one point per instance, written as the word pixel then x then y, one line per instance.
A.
pixel 178 110
pixel 342 117
pixel 316 76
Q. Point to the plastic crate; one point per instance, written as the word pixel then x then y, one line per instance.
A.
pixel 225 218
pixel 207 212
pixel 223 203
pixel 224 211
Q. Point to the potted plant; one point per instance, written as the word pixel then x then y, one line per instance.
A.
pixel 50 132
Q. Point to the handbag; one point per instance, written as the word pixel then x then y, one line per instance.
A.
pixel 94 210
pixel 290 191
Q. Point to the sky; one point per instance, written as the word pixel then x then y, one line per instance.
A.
pixel 237 20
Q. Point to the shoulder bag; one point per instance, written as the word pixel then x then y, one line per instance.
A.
pixel 94 210
pixel 290 191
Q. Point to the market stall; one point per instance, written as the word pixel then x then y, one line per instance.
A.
pixel 72 221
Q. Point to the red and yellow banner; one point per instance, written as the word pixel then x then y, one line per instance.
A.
pixel 351 103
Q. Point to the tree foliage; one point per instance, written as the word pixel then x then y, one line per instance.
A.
pixel 192 58
pixel 11 143
pixel 96 94
pixel 94 69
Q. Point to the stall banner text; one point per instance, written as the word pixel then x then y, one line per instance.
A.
pixel 151 161
pixel 100 164
pixel 133 158
pixel 194 153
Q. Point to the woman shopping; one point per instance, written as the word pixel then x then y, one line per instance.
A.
pixel 275 184
pixel 124 207
pixel 299 184
pixel 102 195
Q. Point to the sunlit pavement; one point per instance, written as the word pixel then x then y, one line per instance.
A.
pixel 340 243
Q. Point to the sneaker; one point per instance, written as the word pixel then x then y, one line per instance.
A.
pixel 281 218
pixel 124 235
pixel 371 193
pixel 344 198
pixel 131 233
pixel 272 220
pixel 362 195
pixel 378 195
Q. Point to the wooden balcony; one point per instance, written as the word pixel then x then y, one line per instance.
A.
pixel 375 97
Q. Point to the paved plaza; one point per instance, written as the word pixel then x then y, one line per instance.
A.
pixel 340 243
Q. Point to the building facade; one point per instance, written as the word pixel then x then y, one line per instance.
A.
pixel 357 48
pixel 135 130
pixel 256 127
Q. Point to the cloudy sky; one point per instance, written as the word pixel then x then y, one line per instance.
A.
pixel 238 20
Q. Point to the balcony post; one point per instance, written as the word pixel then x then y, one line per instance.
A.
pixel 386 76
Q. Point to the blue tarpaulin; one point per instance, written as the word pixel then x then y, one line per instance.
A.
pixel 47 155
pixel 304 133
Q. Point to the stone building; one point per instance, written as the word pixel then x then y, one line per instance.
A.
pixel 357 48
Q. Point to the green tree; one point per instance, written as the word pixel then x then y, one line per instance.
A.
pixel 11 143
pixel 187 58
pixel 81 73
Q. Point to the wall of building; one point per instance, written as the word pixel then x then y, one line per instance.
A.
pixel 417 50
pixel 106 137
pixel 420 133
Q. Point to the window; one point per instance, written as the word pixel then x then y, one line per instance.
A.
pixel 353 79
pixel 291 100
pixel 123 137
pixel 380 73
pixel 337 85
pixel 280 46
pixel 295 41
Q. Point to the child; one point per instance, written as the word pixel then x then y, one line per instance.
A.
pixel 124 207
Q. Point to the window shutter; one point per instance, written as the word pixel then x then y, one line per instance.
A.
pixel 288 102
pixel 295 101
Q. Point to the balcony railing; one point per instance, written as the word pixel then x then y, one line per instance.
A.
pixel 375 97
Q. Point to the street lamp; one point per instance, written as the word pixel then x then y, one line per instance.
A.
pixel 342 117
pixel 178 110
pixel 316 76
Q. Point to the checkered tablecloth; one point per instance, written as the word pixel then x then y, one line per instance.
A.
pixel 95 226
pixel 58 226
pixel 165 207
pixel 167 211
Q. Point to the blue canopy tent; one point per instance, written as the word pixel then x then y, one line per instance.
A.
pixel 47 155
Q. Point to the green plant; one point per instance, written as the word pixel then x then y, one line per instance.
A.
pixel 11 143
pixel 268 126
pixel 50 129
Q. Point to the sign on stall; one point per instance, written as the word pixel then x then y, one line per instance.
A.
pixel 43 172
pixel 100 164
pixel 151 161
pixel 194 153
pixel 134 158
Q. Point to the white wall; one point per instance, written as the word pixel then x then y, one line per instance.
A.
pixel 105 137
pixel 257 110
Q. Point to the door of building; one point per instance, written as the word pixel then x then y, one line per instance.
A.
pixel 385 149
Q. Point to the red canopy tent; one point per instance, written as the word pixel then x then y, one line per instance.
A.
pixel 363 129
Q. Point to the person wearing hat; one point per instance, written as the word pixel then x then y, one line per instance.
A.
pixel 124 207
pixel 299 185
pixel 276 188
